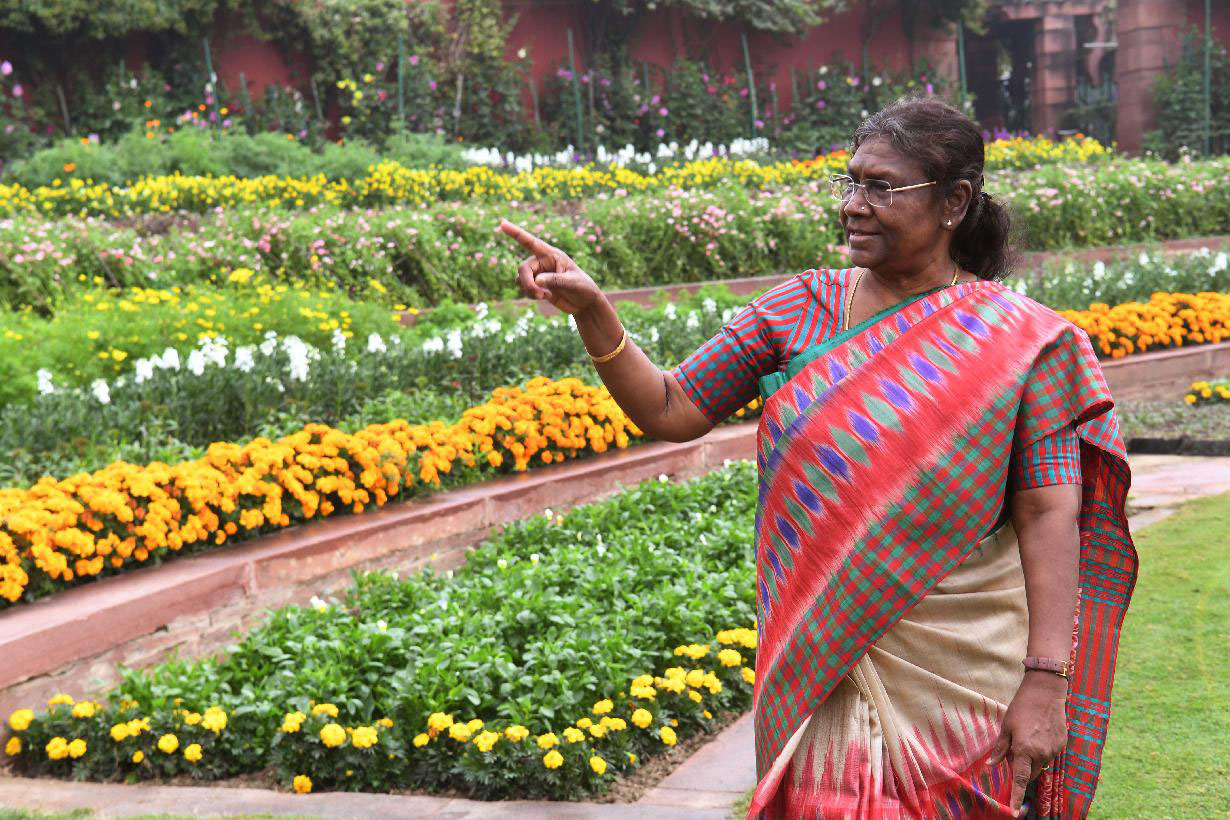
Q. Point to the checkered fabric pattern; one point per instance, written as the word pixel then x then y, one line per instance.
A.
pixel 886 458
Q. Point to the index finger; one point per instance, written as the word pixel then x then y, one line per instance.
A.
pixel 528 241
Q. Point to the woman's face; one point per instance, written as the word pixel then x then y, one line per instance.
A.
pixel 906 236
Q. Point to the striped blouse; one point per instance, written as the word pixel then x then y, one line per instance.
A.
pixel 722 375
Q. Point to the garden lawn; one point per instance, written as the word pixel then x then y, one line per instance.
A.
pixel 1167 755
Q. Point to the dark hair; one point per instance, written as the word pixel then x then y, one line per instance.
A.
pixel 949 146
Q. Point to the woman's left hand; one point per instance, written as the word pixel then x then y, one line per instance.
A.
pixel 1034 731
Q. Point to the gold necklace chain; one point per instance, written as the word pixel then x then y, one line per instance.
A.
pixel 845 320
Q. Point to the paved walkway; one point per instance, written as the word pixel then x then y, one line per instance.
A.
pixel 704 787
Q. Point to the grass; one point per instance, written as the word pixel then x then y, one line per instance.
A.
pixel 1173 419
pixel 1167 755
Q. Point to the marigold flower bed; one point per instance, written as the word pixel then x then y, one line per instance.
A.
pixel 1166 320
pixel 315 747
pixel 62 531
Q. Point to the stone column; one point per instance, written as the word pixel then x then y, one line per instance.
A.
pixel 1149 40
pixel 1054 87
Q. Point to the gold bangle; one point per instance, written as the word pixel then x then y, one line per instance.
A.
pixel 620 349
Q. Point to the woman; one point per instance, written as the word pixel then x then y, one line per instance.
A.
pixel 943 561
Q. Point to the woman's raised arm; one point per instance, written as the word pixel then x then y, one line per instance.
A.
pixel 651 397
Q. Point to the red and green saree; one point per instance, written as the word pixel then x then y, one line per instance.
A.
pixel 888 585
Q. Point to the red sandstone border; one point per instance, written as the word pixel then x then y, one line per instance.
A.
pixel 74 640
pixel 1030 262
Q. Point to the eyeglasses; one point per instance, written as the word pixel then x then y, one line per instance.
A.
pixel 877 192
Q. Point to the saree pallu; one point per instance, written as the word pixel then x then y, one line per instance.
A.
pixel 883 457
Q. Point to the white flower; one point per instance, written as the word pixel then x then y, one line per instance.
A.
pixel 433 345
pixel 1143 259
pixel 502 563
pixel 521 52
pixel 101 391
pixel 245 359
pixel 382 625
pixel 1219 262
pixel 169 360
pixel 1099 269
pixel 298 354
pixel 196 362
pixel 143 370
pixel 534 558
pixel 876 81
pixel 375 344
pixel 709 306
pixel 693 320
pixel 318 604
pixel 663 477
pixel 480 310
pixel 339 341
pixel 547 513
pixel 453 342
pixel 669 312
pixel 45 387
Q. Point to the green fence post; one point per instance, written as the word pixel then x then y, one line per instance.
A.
pixel 576 95
pixel 961 59
pixel 213 79
pixel 751 80
pixel 1208 79
pixel 401 81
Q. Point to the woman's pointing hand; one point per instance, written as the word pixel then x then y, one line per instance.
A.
pixel 549 273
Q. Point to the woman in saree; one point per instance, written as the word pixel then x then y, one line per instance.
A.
pixel 943 560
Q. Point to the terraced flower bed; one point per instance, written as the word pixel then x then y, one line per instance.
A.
pixel 606 634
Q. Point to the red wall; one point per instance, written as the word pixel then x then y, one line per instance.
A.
pixel 1220 14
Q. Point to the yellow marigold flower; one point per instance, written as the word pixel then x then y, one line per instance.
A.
pixel 632 758
pixel 516 733
pixel 193 753
pixel 325 709
pixel 138 756
pixel 192 718
pixel 119 732
pixel 474 725
pixel 486 740
pixel 695 678
pixel 385 722
pixel 364 737
pixel 76 748
pixel 214 719
pixel 749 675
pixel 573 735
pixel 708 715
pixel 598 730
pixel 729 657
pixel 603 706
pixel 668 736
pixel 57 748
pixel 60 698
pixel 332 735
pixel 584 723
pixel 598 765
pixel 168 743
pixel 293 722
pixel 85 709
pixel 13 747
pixel 459 732
pixel 421 740
pixel 553 759
pixel 643 692
pixel 694 695
pixel 20 720
pixel 302 784
pixel 438 721
pixel 614 724
pixel 547 741
pixel 642 680
pixel 642 718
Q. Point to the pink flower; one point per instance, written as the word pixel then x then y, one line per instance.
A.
pixel 711 90
pixel 760 123
pixel 661 133
pixel 663 112
pixel 821 104
pixel 414 59
pixel 742 92
pixel 18 90
pixel 6 68
pixel 379 66
pixel 822 85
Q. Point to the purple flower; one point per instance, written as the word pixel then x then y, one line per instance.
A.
pixel 822 85
pixel 742 92
pixel 6 68
pixel 663 112
pixel 18 90
pixel 604 82
pixel 585 79
pixel 303 133
pixel 821 104
pixel 661 133
pixel 226 123
pixel 656 99
pixel 432 85
pixel 930 88
pixel 379 66
pixel 760 123
pixel 414 59
pixel 854 81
